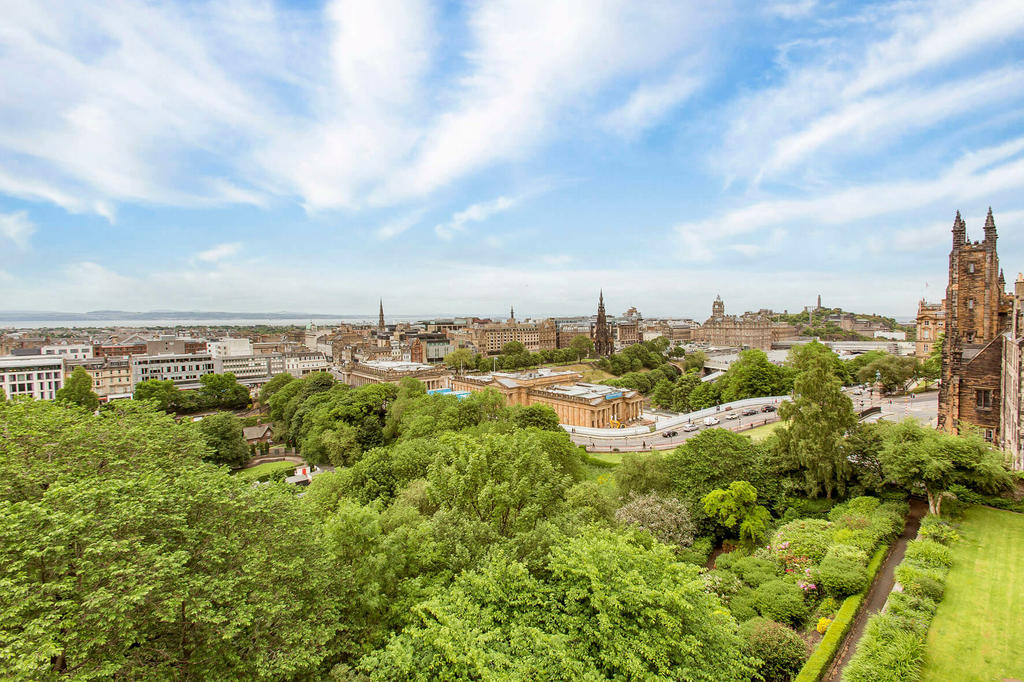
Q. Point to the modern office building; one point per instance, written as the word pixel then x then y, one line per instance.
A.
pixel 38 376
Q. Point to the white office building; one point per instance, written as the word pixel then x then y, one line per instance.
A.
pixel 228 347
pixel 69 351
pixel 39 376
pixel 183 369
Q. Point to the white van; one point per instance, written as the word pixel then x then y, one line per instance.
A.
pixel 710 421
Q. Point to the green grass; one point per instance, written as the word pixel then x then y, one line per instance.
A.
pixel 980 623
pixel 267 471
pixel 759 433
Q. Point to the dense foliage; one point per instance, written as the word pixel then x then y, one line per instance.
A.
pixel 215 391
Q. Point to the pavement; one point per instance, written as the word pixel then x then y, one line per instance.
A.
pixel 924 407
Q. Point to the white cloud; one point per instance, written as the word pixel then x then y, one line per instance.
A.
pixel 850 95
pixel 650 103
pixel 476 213
pixel 360 103
pixel 557 260
pixel 396 226
pixel 219 252
pixel 17 228
pixel 981 174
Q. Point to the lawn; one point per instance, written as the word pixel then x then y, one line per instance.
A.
pixel 979 626
pixel 267 471
pixel 759 433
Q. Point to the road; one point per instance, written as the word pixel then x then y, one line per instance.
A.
pixel 923 407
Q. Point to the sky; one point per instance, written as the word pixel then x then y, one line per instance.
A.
pixel 452 158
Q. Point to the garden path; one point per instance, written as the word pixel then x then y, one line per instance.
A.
pixel 880 589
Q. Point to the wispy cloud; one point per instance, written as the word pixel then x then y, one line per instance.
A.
pixel 219 252
pixel 476 213
pixel 17 228
pixel 396 226
pixel 650 103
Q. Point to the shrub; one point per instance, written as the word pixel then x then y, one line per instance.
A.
pixel 842 576
pixel 862 539
pixel 781 600
pixel 781 651
pixel 911 612
pixel 929 553
pixel 847 552
pixel 808 538
pixel 667 519
pixel 754 571
pixel 886 652
pixel 698 552
pixel 742 605
pixel 921 581
pixel 723 583
pixel 828 606
pixel 934 528
pixel 823 624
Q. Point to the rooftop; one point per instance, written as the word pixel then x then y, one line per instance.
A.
pixel 396 365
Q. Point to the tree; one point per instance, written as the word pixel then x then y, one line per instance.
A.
pixel 222 390
pixel 802 356
pixel 606 608
pixel 819 417
pixel 667 519
pixel 223 434
pixel 931 368
pixel 125 557
pixel 662 395
pixel 695 360
pixel 513 348
pixel 162 391
pixel 78 390
pixel 751 376
pixel 536 416
pixel 275 384
pixel 704 395
pixel 737 505
pixel 582 345
pixel 892 371
pixel 713 459
pixel 460 358
pixel 642 472
pixel 916 457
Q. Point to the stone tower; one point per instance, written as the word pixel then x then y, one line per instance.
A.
pixel 380 317
pixel 977 312
pixel 602 337
pixel 511 314
pixel 718 308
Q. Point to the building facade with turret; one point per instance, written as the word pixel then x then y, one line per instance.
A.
pixel 977 314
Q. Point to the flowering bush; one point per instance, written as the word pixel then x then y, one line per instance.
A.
pixel 823 624
pixel 842 576
pixel 808 539
pixel 934 528
pixel 781 600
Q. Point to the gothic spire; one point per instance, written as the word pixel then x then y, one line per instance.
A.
pixel 990 225
pixel 959 230
pixel 512 313
pixel 380 318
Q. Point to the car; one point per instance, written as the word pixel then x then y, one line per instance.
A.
pixel 691 427
pixel 768 408
pixel 748 412
pixel 858 391
pixel 669 434
pixel 733 415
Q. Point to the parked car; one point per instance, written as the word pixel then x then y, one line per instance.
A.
pixel 748 412
pixel 669 434
pixel 732 415
pixel 710 421
pixel 768 408
pixel 691 427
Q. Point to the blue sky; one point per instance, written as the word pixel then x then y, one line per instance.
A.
pixel 315 156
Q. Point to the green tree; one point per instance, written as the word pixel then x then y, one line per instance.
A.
pixel 931 368
pixel 892 371
pixel 223 434
pixel 125 557
pixel 275 384
pixel 78 390
pixel 608 608
pixel 538 416
pixel 737 506
pixel 704 395
pixel 582 346
pixel 163 391
pixel 751 376
pixel 222 390
pixel 916 457
pixel 695 360
pixel 818 420
pixel 460 358
pixel 662 395
pixel 513 348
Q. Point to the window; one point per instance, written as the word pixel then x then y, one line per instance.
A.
pixel 983 399
pixel 970 268
pixel 989 434
pixel 970 304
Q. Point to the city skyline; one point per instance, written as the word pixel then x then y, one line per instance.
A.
pixel 317 156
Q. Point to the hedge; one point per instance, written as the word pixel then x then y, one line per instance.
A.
pixel 893 644
pixel 823 656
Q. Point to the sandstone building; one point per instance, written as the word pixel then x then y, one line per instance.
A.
pixel 931 324
pixel 977 313
pixel 749 330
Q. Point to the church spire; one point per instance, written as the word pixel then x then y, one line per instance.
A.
pixel 990 226
pixel 959 230
pixel 602 339
pixel 380 318
pixel 511 314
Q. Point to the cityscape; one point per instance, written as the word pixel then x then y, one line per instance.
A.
pixel 414 340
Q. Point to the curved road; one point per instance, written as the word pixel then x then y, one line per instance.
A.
pixel 923 407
